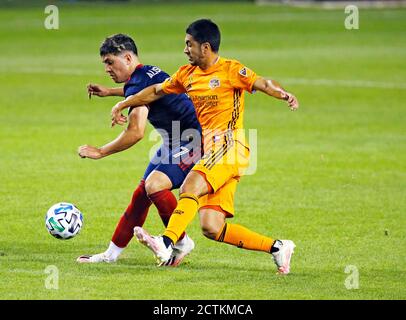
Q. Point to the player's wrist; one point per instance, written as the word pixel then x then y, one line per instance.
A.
pixel 123 105
pixel 107 92
pixel 102 152
pixel 284 95
pixel 115 92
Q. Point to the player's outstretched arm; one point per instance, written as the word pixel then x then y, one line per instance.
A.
pixel 144 97
pixel 274 89
pixel 130 136
pixel 102 91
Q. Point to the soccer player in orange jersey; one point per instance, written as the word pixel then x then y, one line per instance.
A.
pixel 216 86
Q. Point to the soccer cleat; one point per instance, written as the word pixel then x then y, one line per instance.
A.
pixel 180 250
pixel 155 244
pixel 283 254
pixel 96 258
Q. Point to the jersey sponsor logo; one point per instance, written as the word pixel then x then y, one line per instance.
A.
pixel 214 83
pixel 243 72
pixel 207 100
pixel 153 72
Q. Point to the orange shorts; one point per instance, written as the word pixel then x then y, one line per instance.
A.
pixel 223 165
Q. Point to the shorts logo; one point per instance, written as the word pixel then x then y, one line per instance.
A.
pixel 214 83
pixel 240 244
pixel 178 212
pixel 243 72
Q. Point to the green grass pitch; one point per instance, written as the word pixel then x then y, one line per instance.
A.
pixel 331 176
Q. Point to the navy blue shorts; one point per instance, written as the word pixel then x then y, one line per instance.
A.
pixel 175 163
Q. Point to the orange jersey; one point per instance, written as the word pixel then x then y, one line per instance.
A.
pixel 217 94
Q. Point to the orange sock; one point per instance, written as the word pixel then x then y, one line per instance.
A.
pixel 242 237
pixel 181 216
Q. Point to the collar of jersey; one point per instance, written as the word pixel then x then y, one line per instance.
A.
pixel 214 66
pixel 139 66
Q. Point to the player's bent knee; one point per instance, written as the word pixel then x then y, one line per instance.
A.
pixel 157 181
pixel 209 234
pixel 194 184
pixel 153 186
pixel 188 189
pixel 211 222
pixel 210 231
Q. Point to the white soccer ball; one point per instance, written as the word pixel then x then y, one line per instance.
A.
pixel 63 220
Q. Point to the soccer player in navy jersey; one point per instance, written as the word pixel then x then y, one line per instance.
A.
pixel 173 160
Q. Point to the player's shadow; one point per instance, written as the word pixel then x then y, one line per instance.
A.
pixel 194 266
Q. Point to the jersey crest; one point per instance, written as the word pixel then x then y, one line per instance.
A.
pixel 214 83
pixel 189 85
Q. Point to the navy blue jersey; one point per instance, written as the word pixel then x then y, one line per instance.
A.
pixel 165 110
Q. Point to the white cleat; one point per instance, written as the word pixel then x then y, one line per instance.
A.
pixel 283 255
pixel 155 244
pixel 180 250
pixel 96 258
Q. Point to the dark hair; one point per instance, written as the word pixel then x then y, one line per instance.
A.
pixel 205 30
pixel 116 44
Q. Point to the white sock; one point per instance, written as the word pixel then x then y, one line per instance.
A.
pixel 113 251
